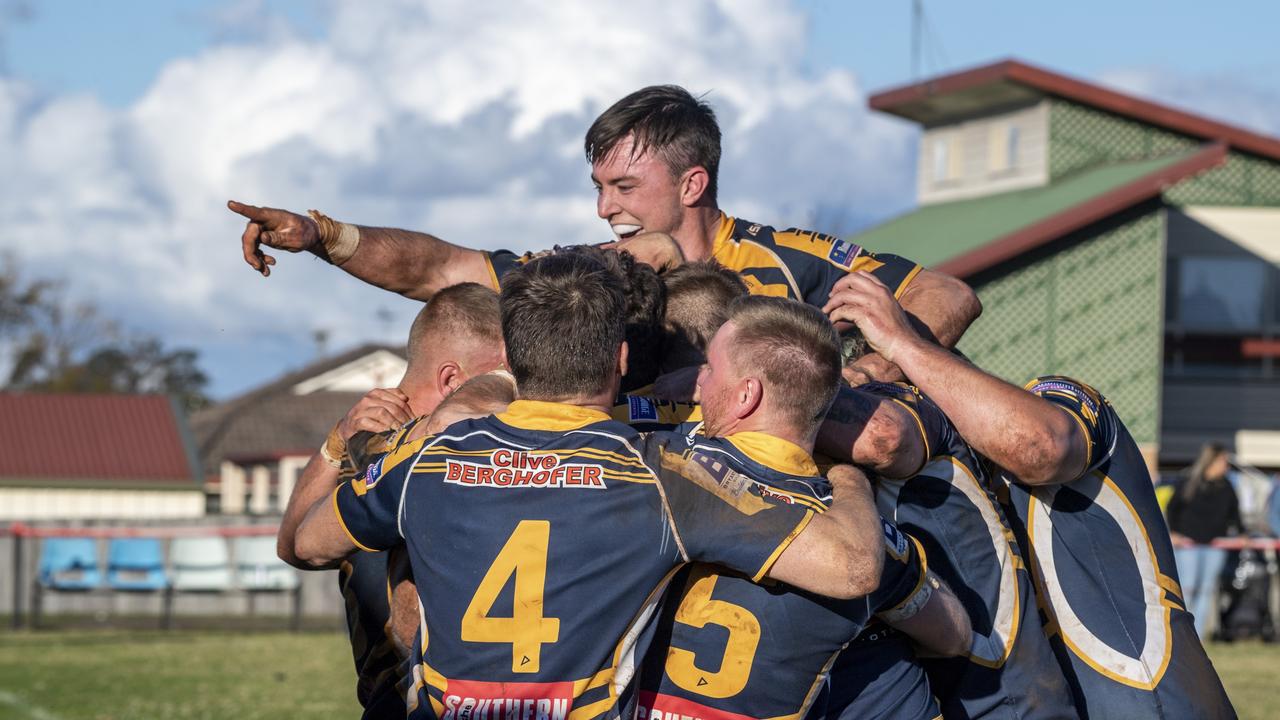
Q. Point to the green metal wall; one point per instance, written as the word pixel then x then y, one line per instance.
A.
pixel 1091 310
pixel 1243 180
pixel 1081 137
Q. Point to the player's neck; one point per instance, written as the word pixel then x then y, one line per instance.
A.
pixel 769 425
pixel 696 235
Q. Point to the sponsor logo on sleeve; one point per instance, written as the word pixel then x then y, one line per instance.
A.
pixel 729 480
pixel 894 539
pixel 641 408
pixel 843 253
pixel 373 473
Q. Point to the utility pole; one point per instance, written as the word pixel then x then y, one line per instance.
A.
pixel 917 26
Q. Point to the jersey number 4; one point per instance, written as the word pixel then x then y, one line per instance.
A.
pixel 525 556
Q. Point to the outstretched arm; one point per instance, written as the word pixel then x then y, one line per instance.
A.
pixel 413 264
pixel 1024 434
pixel 840 553
pixel 872 432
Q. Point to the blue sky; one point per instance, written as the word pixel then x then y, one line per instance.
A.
pixel 125 126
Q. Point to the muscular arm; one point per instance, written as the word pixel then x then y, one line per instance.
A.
pixel 1022 433
pixel 380 409
pixel 942 626
pixel 413 264
pixel 317 481
pixel 872 432
pixel 840 553
pixel 940 307
pixel 320 542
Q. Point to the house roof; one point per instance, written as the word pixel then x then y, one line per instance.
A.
pixel 97 440
pixel 964 237
pixel 273 420
pixel 1011 82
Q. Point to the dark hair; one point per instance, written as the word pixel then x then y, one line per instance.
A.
pixel 1197 474
pixel 562 319
pixel 645 305
pixel 678 127
pixel 698 299
pixel 793 347
pixel 466 312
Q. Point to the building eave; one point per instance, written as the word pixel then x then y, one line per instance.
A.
pixel 1071 219
pixel 904 102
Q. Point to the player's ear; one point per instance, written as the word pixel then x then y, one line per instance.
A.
pixel 623 351
pixel 750 393
pixel 693 185
pixel 449 377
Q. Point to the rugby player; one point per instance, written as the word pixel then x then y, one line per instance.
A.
pixel 738 649
pixel 655 157
pixel 1084 509
pixel 454 336
pixel 543 537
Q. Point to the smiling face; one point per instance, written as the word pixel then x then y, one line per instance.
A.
pixel 637 194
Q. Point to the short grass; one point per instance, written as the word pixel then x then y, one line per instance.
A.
pixel 140 675
pixel 117 675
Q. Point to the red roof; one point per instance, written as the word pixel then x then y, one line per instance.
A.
pixel 982 85
pixel 103 438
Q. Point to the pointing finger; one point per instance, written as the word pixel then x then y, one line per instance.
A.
pixel 253 212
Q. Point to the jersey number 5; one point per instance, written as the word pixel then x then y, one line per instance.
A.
pixel 525 556
pixel 698 609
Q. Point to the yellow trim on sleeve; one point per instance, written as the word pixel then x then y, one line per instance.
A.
pixel 924 573
pixel 924 436
pixel 493 274
pixel 342 523
pixel 902 287
pixel 786 542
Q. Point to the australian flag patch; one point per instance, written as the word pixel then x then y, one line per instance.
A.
pixel 843 253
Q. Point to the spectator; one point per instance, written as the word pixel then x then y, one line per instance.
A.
pixel 1203 507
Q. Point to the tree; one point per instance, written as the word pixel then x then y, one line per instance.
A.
pixel 49 344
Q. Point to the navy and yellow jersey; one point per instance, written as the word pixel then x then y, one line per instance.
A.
pixel 798 264
pixel 541 540
pixel 1105 574
pixel 879 678
pixel 728 648
pixel 649 415
pixel 948 506
pixel 365 582
pixel 801 264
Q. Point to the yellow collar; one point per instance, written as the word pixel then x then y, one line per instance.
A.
pixel 722 234
pixel 775 453
pixel 539 415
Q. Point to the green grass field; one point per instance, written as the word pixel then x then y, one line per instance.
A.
pixel 117 675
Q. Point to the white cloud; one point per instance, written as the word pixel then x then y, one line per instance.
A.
pixel 455 117
pixel 1228 98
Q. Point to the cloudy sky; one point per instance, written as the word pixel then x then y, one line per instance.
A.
pixel 124 128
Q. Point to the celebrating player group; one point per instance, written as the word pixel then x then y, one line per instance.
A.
pixel 714 470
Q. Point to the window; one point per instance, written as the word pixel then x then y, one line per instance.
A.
pixel 1221 293
pixel 1002 148
pixel 941 159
